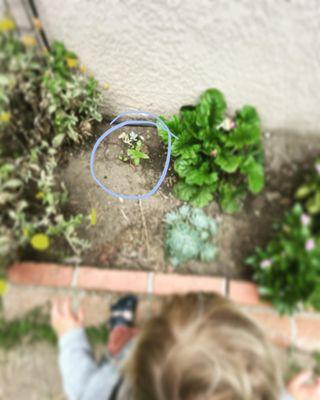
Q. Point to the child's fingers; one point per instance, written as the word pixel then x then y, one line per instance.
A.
pixel 54 307
pixel 66 307
pixel 301 379
pixel 80 315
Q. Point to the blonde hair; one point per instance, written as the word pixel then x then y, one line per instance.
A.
pixel 202 347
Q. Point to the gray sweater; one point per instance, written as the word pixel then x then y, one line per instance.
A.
pixel 83 378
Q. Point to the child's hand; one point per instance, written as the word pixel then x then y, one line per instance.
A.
pixel 300 388
pixel 63 319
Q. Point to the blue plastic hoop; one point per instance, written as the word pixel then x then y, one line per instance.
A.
pixel 120 125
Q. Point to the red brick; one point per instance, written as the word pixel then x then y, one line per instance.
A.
pixel 279 328
pixel 112 280
pixel 174 283
pixel 308 331
pixel 243 292
pixel 43 274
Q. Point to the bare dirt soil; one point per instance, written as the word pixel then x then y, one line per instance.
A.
pixel 130 234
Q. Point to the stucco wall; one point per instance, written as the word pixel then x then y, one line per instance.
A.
pixel 158 55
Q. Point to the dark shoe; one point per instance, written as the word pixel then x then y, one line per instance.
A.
pixel 123 312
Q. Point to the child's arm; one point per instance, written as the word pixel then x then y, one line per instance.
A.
pixel 82 377
pixel 76 362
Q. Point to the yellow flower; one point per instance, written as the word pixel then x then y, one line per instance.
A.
pixel 37 23
pixel 25 232
pixel 5 116
pixel 3 287
pixel 71 62
pixel 83 69
pixel 40 241
pixel 39 195
pixel 93 216
pixel 106 86
pixel 6 25
pixel 28 41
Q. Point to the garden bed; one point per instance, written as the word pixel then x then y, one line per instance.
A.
pixel 129 234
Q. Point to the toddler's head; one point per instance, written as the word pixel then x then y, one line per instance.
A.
pixel 202 347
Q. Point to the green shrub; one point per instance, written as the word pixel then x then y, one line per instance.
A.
pixel 215 155
pixel 287 270
pixel 44 103
pixel 189 233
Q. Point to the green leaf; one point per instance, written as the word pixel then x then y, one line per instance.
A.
pixel 183 191
pixel 12 184
pixel 173 124
pixel 211 109
pixel 137 155
pixel 247 130
pixel 183 167
pixel 93 216
pixel 188 116
pixel 228 162
pixel 57 140
pixel 186 151
pixel 255 174
pixel 202 197
pixel 313 204
pixel 304 190
pixel 199 178
pixel 230 197
pixel 248 114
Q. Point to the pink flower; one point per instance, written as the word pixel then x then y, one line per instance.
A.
pixel 266 263
pixel 310 244
pixel 305 219
pixel 318 168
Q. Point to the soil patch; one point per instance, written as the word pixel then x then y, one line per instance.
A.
pixel 129 234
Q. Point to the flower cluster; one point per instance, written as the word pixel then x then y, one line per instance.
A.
pixel 287 270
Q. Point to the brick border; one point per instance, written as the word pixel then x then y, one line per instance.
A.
pixel 301 330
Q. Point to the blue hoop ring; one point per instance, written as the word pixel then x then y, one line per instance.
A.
pixel 120 125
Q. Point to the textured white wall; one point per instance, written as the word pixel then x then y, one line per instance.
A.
pixel 158 55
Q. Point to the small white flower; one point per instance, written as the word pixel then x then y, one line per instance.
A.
pixel 266 263
pixel 318 168
pixel 310 244
pixel 305 219
pixel 227 124
pixel 133 136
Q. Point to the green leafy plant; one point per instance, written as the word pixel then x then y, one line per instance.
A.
pixel 288 269
pixel 189 233
pixel 136 155
pixel 216 156
pixel 135 144
pixel 45 103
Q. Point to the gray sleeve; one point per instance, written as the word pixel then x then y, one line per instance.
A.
pixel 286 396
pixel 76 363
pixel 82 378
